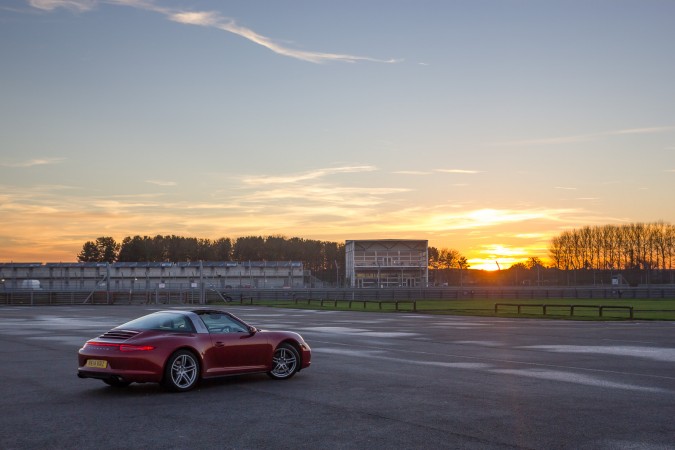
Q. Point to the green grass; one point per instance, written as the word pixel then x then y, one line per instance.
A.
pixel 648 309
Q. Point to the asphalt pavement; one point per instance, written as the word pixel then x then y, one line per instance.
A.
pixel 377 381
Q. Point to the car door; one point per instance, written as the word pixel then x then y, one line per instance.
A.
pixel 237 349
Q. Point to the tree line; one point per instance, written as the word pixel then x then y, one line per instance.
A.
pixel 321 254
pixel 446 258
pixel 635 246
pixel 638 250
pixel 443 265
pixel 316 255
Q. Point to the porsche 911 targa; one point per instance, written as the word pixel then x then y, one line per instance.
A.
pixel 178 348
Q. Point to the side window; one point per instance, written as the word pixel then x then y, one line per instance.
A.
pixel 222 323
pixel 183 324
pixel 176 323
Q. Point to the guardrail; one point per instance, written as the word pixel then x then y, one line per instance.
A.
pixel 463 293
pixel 396 303
pixel 544 307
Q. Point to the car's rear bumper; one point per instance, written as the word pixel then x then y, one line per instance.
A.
pixel 122 375
pixel 119 366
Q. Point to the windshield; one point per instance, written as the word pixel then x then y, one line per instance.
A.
pixel 160 321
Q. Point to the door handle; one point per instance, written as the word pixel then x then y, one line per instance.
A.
pixel 220 344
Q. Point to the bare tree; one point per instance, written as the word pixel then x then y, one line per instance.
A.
pixel 645 247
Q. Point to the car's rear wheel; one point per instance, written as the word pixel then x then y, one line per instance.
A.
pixel 116 382
pixel 285 362
pixel 182 371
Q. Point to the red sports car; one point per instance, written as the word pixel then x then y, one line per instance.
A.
pixel 178 348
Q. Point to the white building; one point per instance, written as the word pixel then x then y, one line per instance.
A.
pixel 387 263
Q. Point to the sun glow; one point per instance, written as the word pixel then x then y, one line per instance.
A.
pixel 491 265
pixel 499 257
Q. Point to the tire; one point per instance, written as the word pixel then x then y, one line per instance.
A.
pixel 285 362
pixel 115 382
pixel 182 371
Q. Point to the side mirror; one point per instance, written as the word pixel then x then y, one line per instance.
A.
pixel 252 330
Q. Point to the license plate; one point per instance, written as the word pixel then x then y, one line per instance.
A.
pixel 98 363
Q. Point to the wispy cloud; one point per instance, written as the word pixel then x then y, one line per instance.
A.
pixel 32 162
pixel 329 194
pixel 161 182
pixel 582 137
pixel 565 188
pixel 312 175
pixel 530 236
pixel 545 141
pixel 492 217
pixel 214 20
pixel 461 171
pixel 211 19
pixel 649 130
pixel 483 218
pixel 316 193
pixel 422 172
pixel 411 172
pixel 74 5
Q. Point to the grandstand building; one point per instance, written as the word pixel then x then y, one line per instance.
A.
pixel 387 263
pixel 151 275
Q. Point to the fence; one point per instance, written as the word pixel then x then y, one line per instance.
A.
pixel 570 308
pixel 189 295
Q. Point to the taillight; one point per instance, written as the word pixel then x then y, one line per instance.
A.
pixel 135 348
pixel 122 347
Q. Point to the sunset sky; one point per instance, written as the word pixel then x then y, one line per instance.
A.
pixel 487 126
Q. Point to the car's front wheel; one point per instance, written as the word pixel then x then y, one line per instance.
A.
pixel 182 371
pixel 285 362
